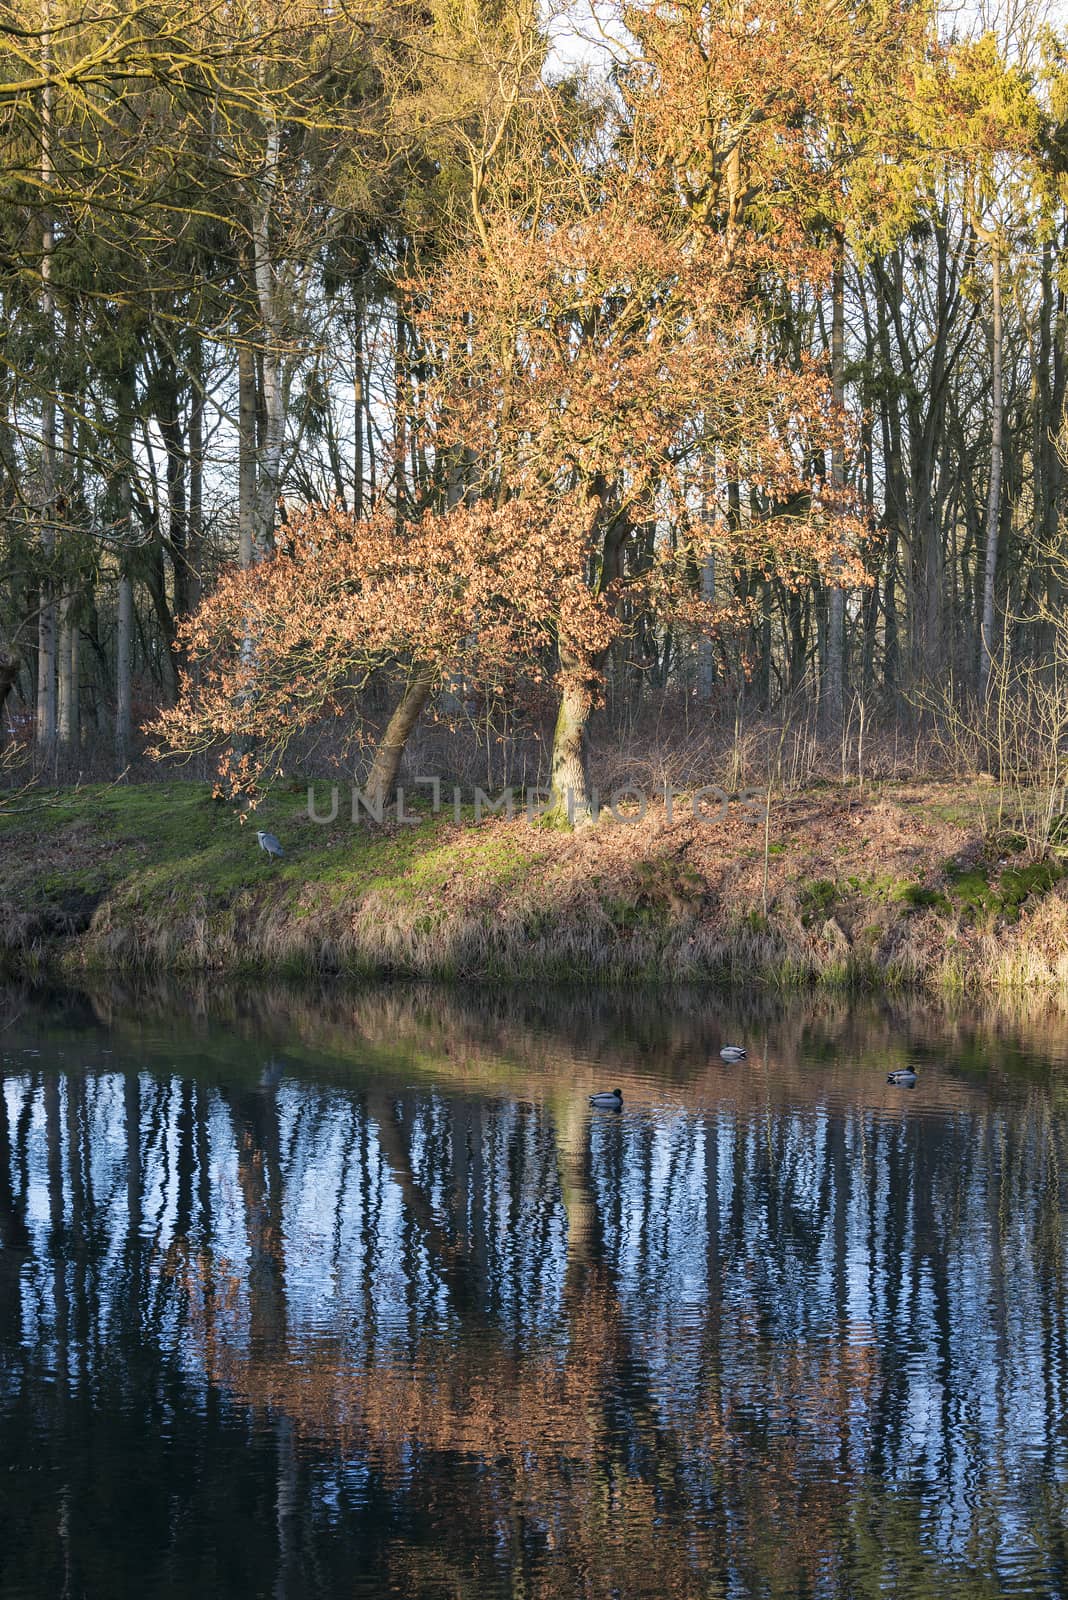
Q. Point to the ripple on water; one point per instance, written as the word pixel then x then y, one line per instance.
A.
pixel 361 1296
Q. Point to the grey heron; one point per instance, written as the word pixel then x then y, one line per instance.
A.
pixel 269 843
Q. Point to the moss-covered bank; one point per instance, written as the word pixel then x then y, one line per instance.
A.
pixel 912 885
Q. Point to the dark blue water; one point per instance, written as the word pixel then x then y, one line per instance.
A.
pixel 350 1294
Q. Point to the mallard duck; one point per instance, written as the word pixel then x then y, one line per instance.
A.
pixel 732 1052
pixel 903 1077
pixel 608 1100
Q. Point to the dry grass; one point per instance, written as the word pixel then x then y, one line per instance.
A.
pixel 902 887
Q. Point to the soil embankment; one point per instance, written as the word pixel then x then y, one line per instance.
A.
pixel 913 884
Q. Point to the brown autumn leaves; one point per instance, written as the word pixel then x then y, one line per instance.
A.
pixel 602 389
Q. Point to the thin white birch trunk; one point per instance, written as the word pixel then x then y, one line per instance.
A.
pixel 68 667
pixel 359 403
pixel 269 475
pixel 246 452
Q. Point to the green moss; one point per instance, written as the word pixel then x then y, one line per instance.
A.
pixel 1019 883
pixel 883 888
pixel 816 900
pixel 919 898
pixel 970 889
pixel 983 902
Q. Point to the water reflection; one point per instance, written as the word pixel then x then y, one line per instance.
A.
pixel 315 1293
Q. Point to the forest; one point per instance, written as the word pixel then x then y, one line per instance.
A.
pixel 648 381
pixel 533 799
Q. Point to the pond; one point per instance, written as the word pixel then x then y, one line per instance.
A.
pixel 350 1293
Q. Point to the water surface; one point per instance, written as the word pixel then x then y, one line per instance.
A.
pixel 327 1293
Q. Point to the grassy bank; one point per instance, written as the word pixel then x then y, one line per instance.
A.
pixel 915 884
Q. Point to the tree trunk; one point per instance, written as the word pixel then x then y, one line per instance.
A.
pixel 401 381
pixel 196 479
pixel 570 802
pixel 706 660
pixel 68 677
pixel 125 619
pixel 10 664
pixel 123 672
pixel 75 686
pixel 569 784
pixel 834 684
pixel 1046 426
pixel 170 428
pixel 269 474
pixel 246 451
pixel 67 660
pixel 383 774
pixel 154 574
pixel 259 448
pixel 45 726
pixel 993 504
pixel 358 402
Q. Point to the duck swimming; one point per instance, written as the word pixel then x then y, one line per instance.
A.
pixel 732 1052
pixel 608 1100
pixel 903 1077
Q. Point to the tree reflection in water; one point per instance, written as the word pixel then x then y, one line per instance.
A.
pixel 335 1294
